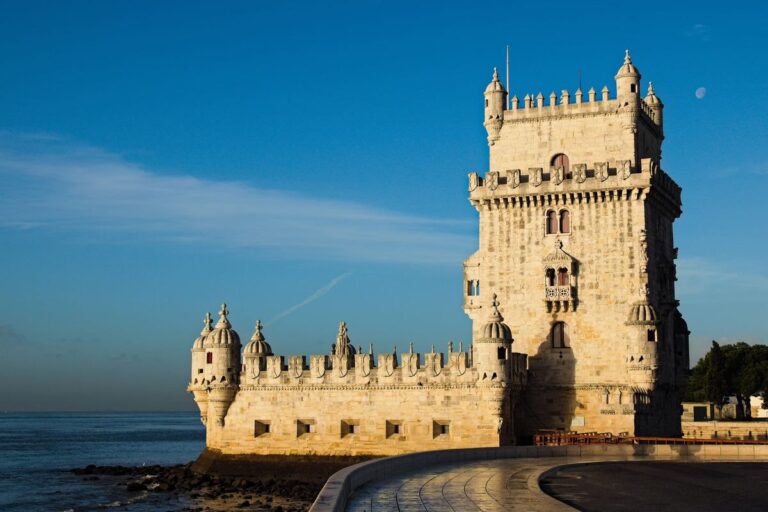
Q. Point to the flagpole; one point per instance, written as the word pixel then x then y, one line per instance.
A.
pixel 507 77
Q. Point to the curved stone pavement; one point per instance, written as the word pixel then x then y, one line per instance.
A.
pixel 491 485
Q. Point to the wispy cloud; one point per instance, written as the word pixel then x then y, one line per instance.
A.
pixel 316 295
pixel 698 276
pixel 700 31
pixel 52 183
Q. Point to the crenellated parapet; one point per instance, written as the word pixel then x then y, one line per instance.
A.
pixel 372 370
pixel 581 182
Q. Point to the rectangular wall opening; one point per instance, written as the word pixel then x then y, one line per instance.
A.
pixel 349 427
pixel 441 429
pixel 394 428
pixel 305 427
pixel 261 428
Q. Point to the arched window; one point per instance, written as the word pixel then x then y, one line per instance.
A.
pixel 562 277
pixel 501 353
pixel 559 335
pixel 209 358
pixel 565 221
pixel 551 222
pixel 550 277
pixel 561 160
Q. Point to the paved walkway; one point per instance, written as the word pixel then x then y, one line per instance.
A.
pixel 492 485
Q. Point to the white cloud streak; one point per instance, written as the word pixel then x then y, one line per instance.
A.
pixel 51 183
pixel 316 295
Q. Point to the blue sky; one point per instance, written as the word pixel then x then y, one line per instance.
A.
pixel 158 158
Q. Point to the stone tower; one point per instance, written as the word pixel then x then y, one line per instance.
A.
pixel 575 219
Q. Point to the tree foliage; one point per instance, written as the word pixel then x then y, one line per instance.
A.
pixel 739 370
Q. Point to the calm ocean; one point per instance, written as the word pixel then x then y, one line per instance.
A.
pixel 37 449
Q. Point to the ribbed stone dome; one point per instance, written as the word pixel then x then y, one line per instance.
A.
pixel 651 98
pixel 223 334
pixel 495 85
pixel 642 313
pixel 258 345
pixel 198 343
pixel 496 329
pixel 627 68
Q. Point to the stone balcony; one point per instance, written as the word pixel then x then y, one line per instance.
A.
pixel 558 293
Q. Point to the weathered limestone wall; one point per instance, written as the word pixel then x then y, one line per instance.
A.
pixel 470 413
pixel 743 430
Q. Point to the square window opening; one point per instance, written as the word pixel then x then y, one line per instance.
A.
pixel 261 428
pixel 394 428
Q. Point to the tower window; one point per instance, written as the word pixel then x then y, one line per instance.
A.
pixel 473 288
pixel 502 353
pixel 565 221
pixel 486 103
pixel 651 335
pixel 550 277
pixel 562 277
pixel 209 358
pixel 551 222
pixel 561 160
pixel 633 88
pixel 394 428
pixel 559 335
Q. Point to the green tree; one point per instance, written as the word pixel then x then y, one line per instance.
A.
pixel 715 381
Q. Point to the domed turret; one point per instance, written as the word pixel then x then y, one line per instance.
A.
pixel 197 382
pixel 657 107
pixel 257 347
pixel 496 329
pixel 223 334
pixel 222 366
pixel 492 349
pixel 207 327
pixel 642 313
pixel 628 82
pixel 495 103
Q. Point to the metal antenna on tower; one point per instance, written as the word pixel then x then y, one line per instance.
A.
pixel 507 77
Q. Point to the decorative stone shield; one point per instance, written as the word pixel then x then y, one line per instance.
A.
pixel 492 180
pixel 580 173
pixel 557 174
pixel 318 366
pixel 513 178
pixel 537 176
pixel 474 181
pixel 601 170
pixel 625 169
pixel 387 364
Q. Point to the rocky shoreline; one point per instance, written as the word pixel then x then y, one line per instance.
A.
pixel 217 483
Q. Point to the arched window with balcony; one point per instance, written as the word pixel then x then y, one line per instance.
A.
pixel 559 335
pixel 562 277
pixel 565 221
pixel 551 222
pixel 549 279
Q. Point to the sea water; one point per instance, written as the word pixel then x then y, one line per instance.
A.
pixel 38 449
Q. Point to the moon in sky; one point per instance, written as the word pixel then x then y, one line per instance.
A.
pixel 701 92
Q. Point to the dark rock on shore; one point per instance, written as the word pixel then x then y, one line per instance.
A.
pixel 218 482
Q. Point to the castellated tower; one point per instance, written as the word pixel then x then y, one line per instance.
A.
pixel 576 238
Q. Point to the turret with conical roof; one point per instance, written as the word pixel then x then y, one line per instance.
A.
pixel 495 103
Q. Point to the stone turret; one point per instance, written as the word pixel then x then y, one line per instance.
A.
pixel 256 352
pixel 655 105
pixel 628 82
pixel 197 382
pixel 222 351
pixel 495 103
pixel 493 348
